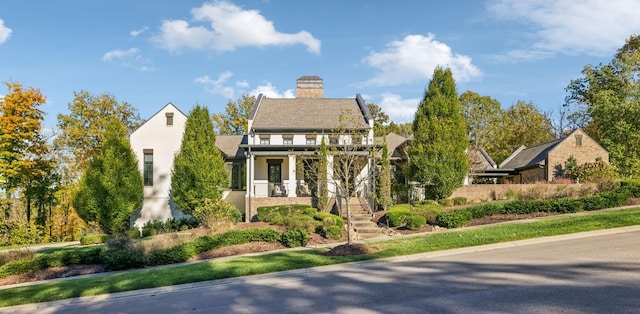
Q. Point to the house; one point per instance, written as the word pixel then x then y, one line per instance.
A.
pixel 155 143
pixel 267 165
pixel 285 132
pixel 545 161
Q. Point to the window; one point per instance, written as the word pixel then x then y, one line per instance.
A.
pixel 287 139
pixel 334 140
pixel 237 172
pixel 265 139
pixel 356 139
pixel 148 167
pixel 169 116
pixel 311 139
pixel 578 140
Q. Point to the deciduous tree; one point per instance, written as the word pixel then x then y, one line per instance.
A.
pixel 83 129
pixel 437 158
pixel 23 148
pixel 384 179
pixel 482 115
pixel 609 95
pixel 198 174
pixel 235 116
pixel 522 124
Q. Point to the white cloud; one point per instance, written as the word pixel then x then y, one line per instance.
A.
pixel 131 58
pixel 5 32
pixel 271 91
pixel 587 27
pixel 218 86
pixel 399 110
pixel 135 33
pixel 222 86
pixel 414 58
pixel 229 27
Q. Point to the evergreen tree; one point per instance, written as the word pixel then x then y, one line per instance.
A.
pixel 110 189
pixel 198 174
pixel 384 179
pixel 437 157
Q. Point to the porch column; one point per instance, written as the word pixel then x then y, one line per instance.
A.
pixel 331 186
pixel 250 188
pixel 293 183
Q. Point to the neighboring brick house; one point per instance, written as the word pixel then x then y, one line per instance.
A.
pixel 545 162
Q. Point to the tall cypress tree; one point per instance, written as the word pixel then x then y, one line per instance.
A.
pixel 437 157
pixel 198 172
pixel 384 179
pixel 110 189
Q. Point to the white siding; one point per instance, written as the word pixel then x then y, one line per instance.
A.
pixel 165 141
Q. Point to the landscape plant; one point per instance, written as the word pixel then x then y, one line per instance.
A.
pixel 281 261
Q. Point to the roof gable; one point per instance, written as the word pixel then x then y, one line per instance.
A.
pixel 529 157
pixel 168 107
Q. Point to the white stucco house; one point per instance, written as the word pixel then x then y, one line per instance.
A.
pixel 265 166
pixel 155 143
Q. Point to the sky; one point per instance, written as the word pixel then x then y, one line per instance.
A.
pixel 152 52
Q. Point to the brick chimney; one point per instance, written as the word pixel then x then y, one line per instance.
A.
pixel 309 87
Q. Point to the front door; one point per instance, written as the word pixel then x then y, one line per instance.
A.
pixel 275 176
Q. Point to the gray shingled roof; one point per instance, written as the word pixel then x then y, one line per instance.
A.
pixel 228 145
pixel 529 157
pixel 312 114
pixel 394 141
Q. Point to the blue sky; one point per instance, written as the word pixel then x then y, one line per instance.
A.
pixel 149 53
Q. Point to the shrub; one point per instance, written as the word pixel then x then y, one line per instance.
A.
pixel 333 232
pixel 217 214
pixel 446 202
pixel 122 253
pixel 265 213
pixel 16 255
pixel 453 218
pixel 415 222
pixel 94 239
pixel 428 211
pixel 511 194
pixel 397 215
pixel 459 200
pixel 302 222
pixel 328 219
pixel 294 238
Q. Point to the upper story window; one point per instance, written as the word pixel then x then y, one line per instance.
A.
pixel 265 139
pixel 169 116
pixel 578 140
pixel 148 167
pixel 287 139
pixel 311 139
pixel 356 139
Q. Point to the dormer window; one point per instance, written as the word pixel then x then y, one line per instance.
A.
pixel 334 140
pixel 169 116
pixel 287 139
pixel 311 139
pixel 265 139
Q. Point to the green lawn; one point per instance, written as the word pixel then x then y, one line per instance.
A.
pixel 288 260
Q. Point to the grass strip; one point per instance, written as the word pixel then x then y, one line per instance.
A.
pixel 289 260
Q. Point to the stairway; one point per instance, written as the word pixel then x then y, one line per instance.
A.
pixel 361 220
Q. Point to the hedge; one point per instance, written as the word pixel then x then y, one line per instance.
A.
pixel 609 199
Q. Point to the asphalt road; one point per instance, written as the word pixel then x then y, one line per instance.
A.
pixel 596 272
